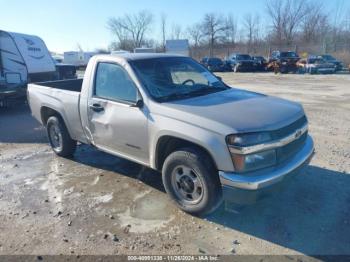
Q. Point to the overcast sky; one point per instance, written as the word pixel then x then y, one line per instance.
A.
pixel 62 24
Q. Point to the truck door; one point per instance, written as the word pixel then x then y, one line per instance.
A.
pixel 116 124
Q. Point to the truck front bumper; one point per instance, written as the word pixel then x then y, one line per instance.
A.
pixel 250 187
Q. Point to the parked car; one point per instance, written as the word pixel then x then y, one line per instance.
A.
pixel 330 59
pixel 227 65
pixel 261 63
pixel 209 141
pixel 242 63
pixel 283 62
pixel 215 64
pixel 65 71
pixel 317 65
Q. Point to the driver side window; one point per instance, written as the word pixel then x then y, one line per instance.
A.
pixel 112 82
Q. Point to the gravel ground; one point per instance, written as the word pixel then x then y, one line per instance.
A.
pixel 99 204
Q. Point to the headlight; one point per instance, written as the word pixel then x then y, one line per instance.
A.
pixel 284 63
pixel 249 162
pixel 248 139
pixel 245 163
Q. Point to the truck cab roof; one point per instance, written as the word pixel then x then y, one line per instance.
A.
pixel 139 56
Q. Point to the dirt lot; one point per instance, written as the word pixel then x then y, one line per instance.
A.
pixel 100 204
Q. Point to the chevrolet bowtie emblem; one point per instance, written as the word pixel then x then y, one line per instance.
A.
pixel 298 133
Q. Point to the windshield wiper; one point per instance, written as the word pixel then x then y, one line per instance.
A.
pixel 173 96
pixel 207 90
pixel 201 91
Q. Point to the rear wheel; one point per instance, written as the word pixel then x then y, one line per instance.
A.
pixel 61 142
pixel 191 180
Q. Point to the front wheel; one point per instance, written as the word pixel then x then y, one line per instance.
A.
pixel 191 180
pixel 61 142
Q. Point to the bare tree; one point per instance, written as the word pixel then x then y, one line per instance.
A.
pixel 315 25
pixel 213 27
pixel 176 31
pixel 347 21
pixel 286 17
pixel 251 25
pixel 275 11
pixel 295 11
pixel 131 28
pixel 195 34
pixel 338 16
pixel 231 30
pixel 163 29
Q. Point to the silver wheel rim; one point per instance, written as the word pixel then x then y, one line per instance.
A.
pixel 187 184
pixel 55 137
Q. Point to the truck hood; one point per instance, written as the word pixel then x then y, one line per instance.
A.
pixel 234 111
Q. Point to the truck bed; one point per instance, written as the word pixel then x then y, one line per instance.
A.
pixel 61 96
pixel 69 85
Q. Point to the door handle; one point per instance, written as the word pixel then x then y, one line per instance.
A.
pixel 96 107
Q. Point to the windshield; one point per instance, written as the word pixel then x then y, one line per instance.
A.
pixel 173 78
pixel 289 54
pixel 316 61
pixel 259 58
pixel 328 58
pixel 244 57
pixel 215 61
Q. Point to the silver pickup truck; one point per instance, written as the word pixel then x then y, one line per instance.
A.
pixel 210 142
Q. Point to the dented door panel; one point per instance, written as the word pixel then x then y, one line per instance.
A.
pixel 119 128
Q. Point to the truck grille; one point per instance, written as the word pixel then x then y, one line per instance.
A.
pixel 289 150
pixel 287 130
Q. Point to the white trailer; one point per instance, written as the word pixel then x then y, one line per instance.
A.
pixel 23 59
pixel 77 58
pixel 23 56
pixel 177 47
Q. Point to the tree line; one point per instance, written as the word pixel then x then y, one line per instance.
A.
pixel 285 24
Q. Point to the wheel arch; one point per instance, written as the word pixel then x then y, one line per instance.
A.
pixel 46 112
pixel 167 144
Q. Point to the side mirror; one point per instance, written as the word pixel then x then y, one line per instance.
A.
pixel 139 103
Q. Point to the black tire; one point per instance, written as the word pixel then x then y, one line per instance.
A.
pixel 202 168
pixel 61 142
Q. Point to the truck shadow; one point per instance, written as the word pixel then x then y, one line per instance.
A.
pixel 18 126
pixel 311 215
pixel 92 157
